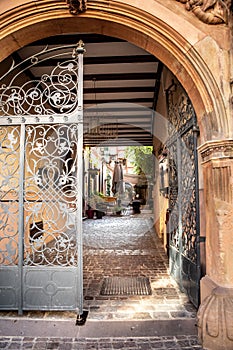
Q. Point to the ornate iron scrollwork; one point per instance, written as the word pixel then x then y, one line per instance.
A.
pixel 51 190
pixel 9 194
pixel 41 167
pixel 182 196
pixel 183 193
pixel 54 93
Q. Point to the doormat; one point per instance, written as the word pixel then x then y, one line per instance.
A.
pixel 114 286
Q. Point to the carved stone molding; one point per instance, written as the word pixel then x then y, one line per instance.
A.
pixel 76 6
pixel 219 182
pixel 216 150
pixel 215 320
pixel 209 11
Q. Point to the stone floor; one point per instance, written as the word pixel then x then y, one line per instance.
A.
pixel 127 246
pixel 116 246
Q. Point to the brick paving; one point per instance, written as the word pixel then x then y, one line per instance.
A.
pixel 139 343
pixel 127 246
pixel 120 246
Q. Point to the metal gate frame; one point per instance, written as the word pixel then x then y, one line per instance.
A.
pixel 184 220
pixel 27 284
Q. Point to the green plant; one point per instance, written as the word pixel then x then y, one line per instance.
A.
pixel 95 199
pixel 142 158
pixel 117 209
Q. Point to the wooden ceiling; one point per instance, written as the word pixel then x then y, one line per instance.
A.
pixel 121 84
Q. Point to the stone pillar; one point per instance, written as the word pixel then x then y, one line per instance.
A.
pixel 215 315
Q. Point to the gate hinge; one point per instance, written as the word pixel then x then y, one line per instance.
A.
pixel 202 239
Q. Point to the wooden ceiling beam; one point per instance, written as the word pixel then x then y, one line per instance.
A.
pixel 102 60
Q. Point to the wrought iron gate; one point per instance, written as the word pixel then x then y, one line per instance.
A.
pixel 41 141
pixel 183 224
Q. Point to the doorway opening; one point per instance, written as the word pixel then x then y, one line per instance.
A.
pixel 122 90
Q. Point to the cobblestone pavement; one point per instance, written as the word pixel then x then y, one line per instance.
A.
pixel 127 246
pixel 142 343
pixel 120 246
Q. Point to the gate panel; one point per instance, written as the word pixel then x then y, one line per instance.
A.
pixel 190 217
pixel 9 214
pixel 41 141
pixel 184 255
pixel 50 213
pixel 175 218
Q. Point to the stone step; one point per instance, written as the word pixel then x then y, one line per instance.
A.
pixel 146 211
pixel 37 327
pixel 146 206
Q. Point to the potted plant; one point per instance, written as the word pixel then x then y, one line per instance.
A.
pixel 96 205
pixel 90 212
pixel 94 200
pixel 99 214
pixel 117 210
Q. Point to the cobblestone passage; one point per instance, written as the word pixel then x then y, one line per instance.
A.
pixel 127 246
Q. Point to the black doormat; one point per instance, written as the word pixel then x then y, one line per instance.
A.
pixel 114 286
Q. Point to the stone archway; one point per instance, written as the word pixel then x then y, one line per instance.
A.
pixel 186 47
pixel 152 28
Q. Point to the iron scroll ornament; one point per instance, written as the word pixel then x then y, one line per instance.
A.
pixel 55 93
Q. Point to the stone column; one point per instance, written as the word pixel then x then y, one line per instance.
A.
pixel 215 315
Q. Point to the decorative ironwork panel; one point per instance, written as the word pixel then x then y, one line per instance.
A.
pixel 9 213
pixel 184 253
pixel 54 92
pixel 50 192
pixel 180 114
pixel 173 195
pixel 54 97
pixel 188 195
pixel 9 194
pixel 41 141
